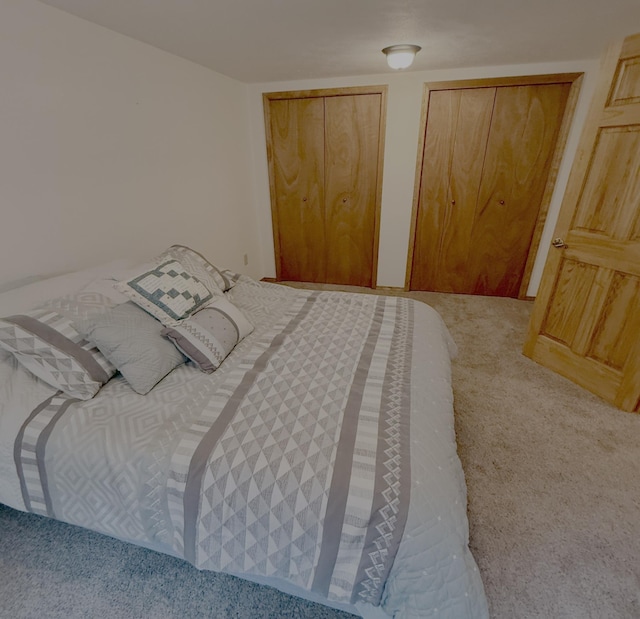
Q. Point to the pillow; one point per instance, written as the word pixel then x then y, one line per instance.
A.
pixel 49 346
pixel 96 298
pixel 167 290
pixel 210 334
pixel 198 265
pixel 28 297
pixel 131 339
pixel 230 277
pixel 105 287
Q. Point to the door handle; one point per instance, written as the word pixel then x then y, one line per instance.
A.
pixel 559 243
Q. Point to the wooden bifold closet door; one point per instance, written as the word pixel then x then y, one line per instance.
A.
pixel 325 165
pixel 486 170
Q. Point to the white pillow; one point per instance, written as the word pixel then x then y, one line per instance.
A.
pixel 27 297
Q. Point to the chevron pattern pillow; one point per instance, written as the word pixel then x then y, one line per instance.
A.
pixel 210 334
pixel 48 345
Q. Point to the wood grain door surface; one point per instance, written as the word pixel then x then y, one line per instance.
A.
pixel 352 128
pixel 586 319
pixel 297 130
pixel 325 163
pixel 486 160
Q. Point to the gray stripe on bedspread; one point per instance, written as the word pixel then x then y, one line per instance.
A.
pixel 17 452
pixel 202 453
pixel 393 469
pixel 30 449
pixel 41 447
pixel 339 490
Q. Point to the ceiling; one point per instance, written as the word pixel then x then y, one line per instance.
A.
pixel 282 40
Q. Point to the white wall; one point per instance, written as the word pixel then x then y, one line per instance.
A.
pixel 110 147
pixel 403 122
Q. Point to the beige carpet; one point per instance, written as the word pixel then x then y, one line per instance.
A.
pixel 553 473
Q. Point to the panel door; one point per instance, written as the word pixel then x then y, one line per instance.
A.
pixel 297 155
pixel 486 162
pixel 586 319
pixel 352 138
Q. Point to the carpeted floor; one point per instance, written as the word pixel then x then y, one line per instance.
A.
pixel 552 474
pixel 554 506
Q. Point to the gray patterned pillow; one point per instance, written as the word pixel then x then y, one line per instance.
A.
pixel 198 265
pixel 48 345
pixel 167 290
pixel 209 335
pixel 131 339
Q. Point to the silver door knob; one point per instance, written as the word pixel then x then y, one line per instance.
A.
pixel 559 243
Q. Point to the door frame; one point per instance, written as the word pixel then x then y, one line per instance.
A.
pixel 575 79
pixel 267 97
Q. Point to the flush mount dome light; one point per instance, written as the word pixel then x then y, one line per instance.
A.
pixel 400 56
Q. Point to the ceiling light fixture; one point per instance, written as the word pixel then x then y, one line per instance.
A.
pixel 400 56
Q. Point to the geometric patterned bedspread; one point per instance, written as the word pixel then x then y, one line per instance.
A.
pixel 297 460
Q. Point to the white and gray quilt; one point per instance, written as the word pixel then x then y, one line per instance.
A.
pixel 320 457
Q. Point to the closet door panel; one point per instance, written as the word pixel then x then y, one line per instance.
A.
pixel 352 135
pixel 297 136
pixel 490 153
pixel 433 205
pixel 454 149
pixel 520 149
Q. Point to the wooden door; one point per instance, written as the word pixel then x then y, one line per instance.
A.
pixel 352 135
pixel 585 323
pixel 457 132
pixel 325 153
pixel 297 147
pixel 488 153
pixel 524 130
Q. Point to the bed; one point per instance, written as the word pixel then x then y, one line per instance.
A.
pixel 317 456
